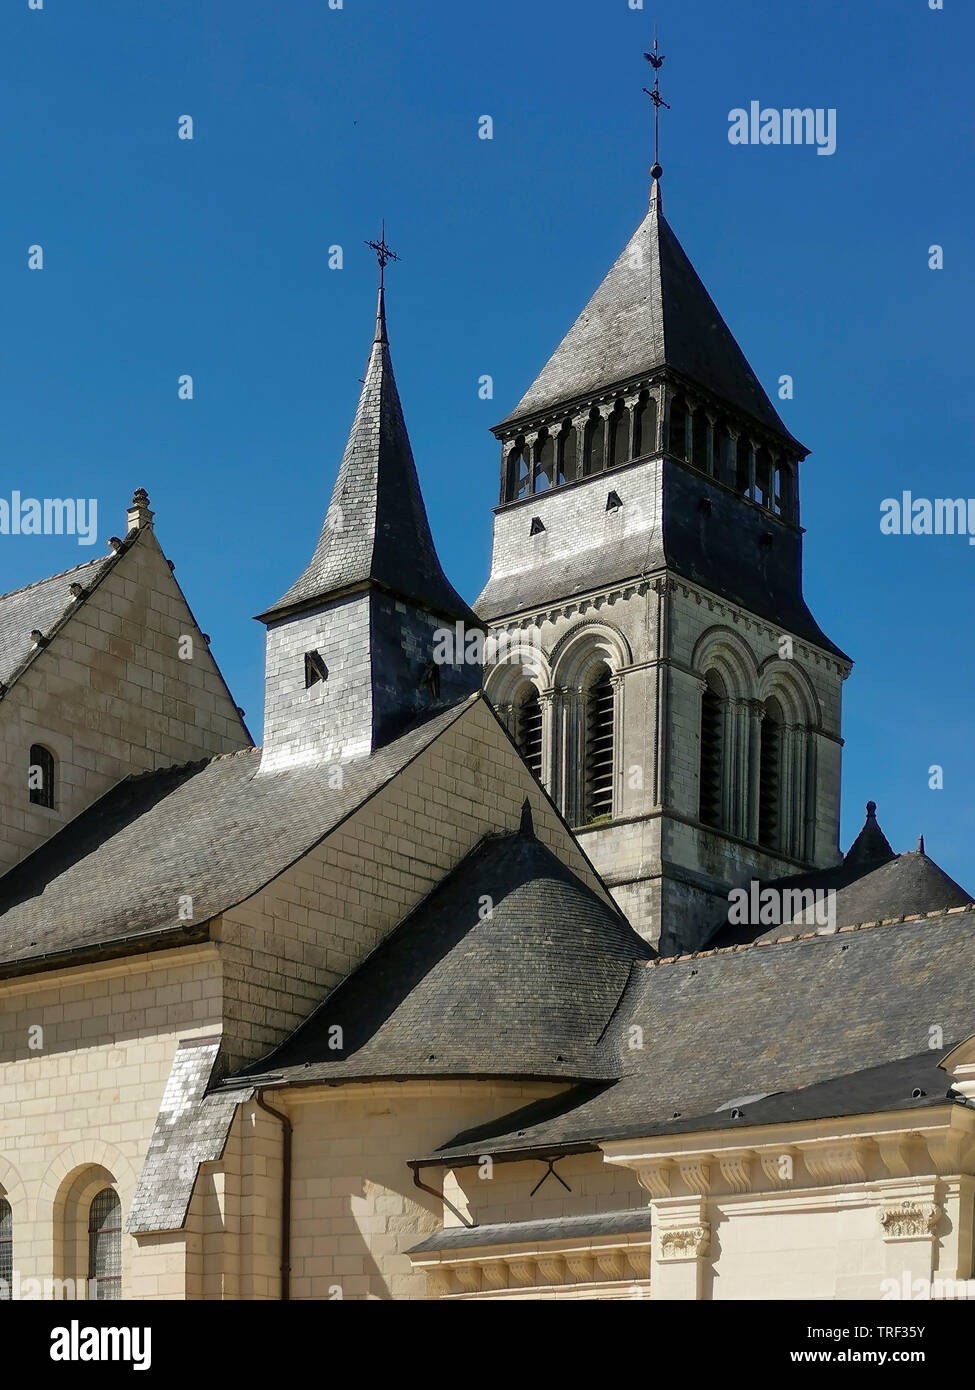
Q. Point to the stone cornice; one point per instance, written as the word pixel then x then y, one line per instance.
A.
pixel 802 1156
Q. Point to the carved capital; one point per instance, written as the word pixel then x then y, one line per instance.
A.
pixel 910 1220
pixel 685 1243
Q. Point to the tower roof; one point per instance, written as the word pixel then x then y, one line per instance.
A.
pixel 871 847
pixel 650 311
pixel 376 529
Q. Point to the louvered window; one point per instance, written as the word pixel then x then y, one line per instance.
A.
pixel 712 751
pixel 528 734
pixel 105 1246
pixel 600 702
pixel 6 1250
pixel 770 771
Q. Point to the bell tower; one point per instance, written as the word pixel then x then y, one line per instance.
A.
pixel 353 654
pixel 683 708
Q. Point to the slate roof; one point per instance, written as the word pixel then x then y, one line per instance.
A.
pixel 645 316
pixel 534 1233
pixel 40 606
pixel 908 884
pixel 191 1128
pixel 720 1027
pixel 112 879
pixel 511 966
pixel 376 528
pixel 869 884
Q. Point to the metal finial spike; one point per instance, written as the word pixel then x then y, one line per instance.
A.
pixel 920 844
pixel 384 254
pixel 527 826
pixel 656 61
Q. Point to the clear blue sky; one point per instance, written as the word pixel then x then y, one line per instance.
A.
pixel 210 257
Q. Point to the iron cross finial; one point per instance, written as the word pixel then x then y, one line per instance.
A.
pixel 656 61
pixel 383 252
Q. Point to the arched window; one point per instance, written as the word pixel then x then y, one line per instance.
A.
pixel 619 435
pixel 528 728
pixel 595 459
pixel 712 751
pixel 6 1250
pixel 678 427
pixel 105 1246
pixel 699 440
pixel 40 777
pixel 599 709
pixel 741 466
pixel 763 478
pixel 645 435
pixel 545 465
pixel 784 491
pixel 568 445
pixel 769 775
pixel 518 472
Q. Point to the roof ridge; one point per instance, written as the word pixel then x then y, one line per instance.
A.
pixel 63 574
pixel 811 936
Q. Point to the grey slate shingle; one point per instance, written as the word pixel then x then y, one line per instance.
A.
pixel 525 991
pixel 534 1233
pixel 41 606
pixel 642 317
pixel 376 528
pixel 213 830
pixel 771 1019
pixel 191 1128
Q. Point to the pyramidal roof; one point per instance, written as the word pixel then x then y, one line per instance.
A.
pixel 650 311
pixel 376 529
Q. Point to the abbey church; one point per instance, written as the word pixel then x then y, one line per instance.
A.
pixel 438 994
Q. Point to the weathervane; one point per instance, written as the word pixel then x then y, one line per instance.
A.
pixel 656 61
pixel 383 253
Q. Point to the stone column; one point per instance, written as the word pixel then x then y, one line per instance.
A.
pixel 680 1243
pixel 550 703
pixel 632 404
pixel 531 452
pixel 756 713
pixel 709 445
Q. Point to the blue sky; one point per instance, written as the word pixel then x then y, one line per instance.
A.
pixel 210 257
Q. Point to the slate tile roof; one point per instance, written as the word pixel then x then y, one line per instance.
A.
pixel 376 527
pixel 191 1128
pixel 214 830
pixel 768 1020
pixel 534 1233
pixel 869 884
pixel 511 966
pixel 650 311
pixel 40 606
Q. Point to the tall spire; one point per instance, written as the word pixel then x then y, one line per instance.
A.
pixel 376 529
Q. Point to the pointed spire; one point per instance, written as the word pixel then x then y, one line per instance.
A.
pixel 376 529
pixel 870 849
pixel 527 826
pixel 651 311
pixel 920 844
